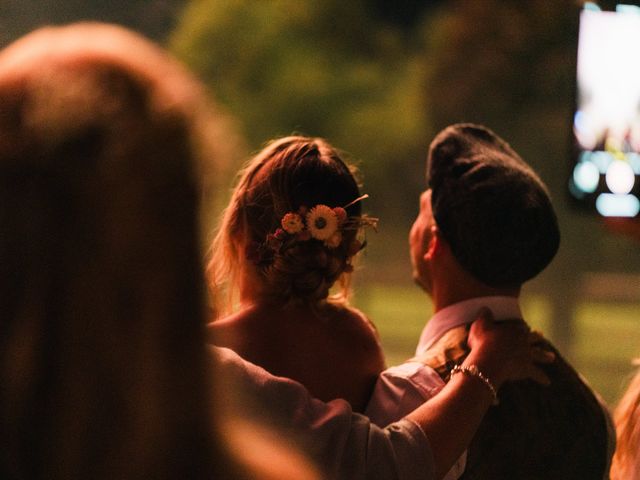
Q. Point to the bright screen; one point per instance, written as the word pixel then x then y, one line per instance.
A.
pixel 606 126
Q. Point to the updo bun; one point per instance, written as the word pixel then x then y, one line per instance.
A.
pixel 305 272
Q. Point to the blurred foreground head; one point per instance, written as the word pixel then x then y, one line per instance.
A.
pixel 102 356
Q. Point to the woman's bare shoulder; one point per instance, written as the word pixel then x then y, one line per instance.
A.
pixel 359 334
pixel 229 330
pixel 353 320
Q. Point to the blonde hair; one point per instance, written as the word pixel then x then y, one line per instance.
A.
pixel 288 174
pixel 626 460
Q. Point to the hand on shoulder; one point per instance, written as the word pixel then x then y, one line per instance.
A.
pixel 507 351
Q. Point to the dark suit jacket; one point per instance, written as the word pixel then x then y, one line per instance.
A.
pixel 536 432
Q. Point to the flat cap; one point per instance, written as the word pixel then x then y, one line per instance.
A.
pixel 490 206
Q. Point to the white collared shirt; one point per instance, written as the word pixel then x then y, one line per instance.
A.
pixel 464 313
pixel 403 388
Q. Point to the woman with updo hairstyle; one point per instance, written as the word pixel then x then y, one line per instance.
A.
pixel 291 231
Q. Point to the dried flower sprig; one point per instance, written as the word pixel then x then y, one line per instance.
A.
pixel 319 222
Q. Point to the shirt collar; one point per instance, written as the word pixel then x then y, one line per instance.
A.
pixel 463 313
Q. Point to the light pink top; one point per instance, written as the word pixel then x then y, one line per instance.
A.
pixel 343 444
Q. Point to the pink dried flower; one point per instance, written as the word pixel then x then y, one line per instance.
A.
pixel 292 223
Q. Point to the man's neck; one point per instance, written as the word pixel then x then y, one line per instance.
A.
pixel 451 283
pixel 444 296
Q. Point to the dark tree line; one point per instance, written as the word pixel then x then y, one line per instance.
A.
pixel 154 18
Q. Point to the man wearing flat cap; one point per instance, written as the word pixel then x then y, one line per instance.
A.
pixel 486 225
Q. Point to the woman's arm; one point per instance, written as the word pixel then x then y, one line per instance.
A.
pixel 502 353
pixel 348 446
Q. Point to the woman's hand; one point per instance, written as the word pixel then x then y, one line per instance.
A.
pixel 507 350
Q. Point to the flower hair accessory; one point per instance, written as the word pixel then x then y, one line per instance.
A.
pixel 320 222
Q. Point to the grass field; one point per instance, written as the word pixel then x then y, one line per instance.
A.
pixel 606 335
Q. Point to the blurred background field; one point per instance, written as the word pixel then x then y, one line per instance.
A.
pixel 378 79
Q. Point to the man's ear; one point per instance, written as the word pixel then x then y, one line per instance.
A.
pixel 435 243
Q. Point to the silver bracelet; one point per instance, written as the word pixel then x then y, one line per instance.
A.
pixel 473 371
